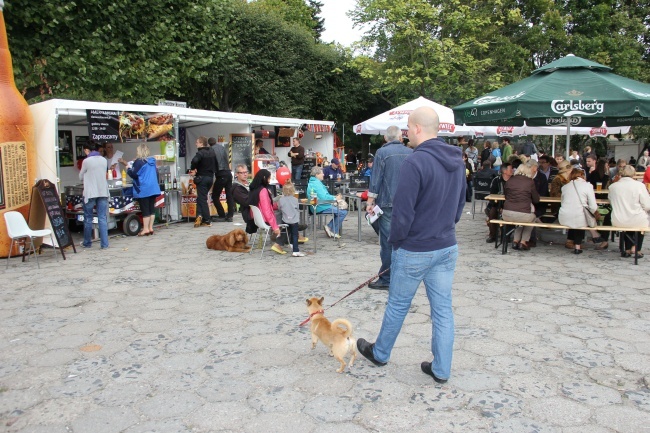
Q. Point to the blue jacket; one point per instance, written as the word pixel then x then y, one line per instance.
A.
pixel 429 198
pixel 330 173
pixel 315 186
pixel 385 171
pixel 145 178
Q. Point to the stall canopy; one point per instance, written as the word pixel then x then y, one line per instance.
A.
pixel 398 116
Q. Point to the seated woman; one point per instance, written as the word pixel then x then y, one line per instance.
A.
pixel 260 196
pixel 315 187
pixel 520 193
pixel 576 195
pixel 630 206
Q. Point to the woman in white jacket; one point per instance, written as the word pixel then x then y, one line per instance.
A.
pixel 576 195
pixel 630 206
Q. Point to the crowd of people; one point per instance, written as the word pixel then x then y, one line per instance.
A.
pixel 525 176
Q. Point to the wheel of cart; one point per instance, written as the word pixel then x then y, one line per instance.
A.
pixel 132 224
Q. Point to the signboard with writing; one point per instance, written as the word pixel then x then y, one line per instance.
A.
pixel 45 203
pixel 113 126
pixel 241 150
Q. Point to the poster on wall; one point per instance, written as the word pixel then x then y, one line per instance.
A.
pixel 79 141
pixel 121 126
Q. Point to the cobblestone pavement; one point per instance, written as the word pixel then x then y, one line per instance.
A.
pixel 158 334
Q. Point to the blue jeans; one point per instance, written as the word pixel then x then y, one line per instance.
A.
pixel 385 248
pixel 102 211
pixel 336 224
pixel 296 172
pixel 409 269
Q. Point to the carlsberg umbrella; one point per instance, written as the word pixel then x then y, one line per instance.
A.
pixel 570 91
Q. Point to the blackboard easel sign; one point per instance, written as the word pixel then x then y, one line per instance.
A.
pixel 45 202
pixel 241 150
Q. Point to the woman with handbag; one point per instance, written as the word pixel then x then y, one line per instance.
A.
pixel 630 206
pixel 578 207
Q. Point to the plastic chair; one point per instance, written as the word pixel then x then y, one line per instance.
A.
pixel 17 228
pixel 262 225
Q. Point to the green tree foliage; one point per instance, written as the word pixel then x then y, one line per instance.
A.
pixel 454 50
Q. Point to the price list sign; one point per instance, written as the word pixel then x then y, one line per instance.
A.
pixel 45 203
pixel 103 125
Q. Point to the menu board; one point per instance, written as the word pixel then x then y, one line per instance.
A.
pixel 113 126
pixel 45 203
pixel 241 150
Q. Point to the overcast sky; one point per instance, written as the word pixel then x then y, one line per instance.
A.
pixel 338 27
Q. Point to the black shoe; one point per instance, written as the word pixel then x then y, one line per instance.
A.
pixel 577 251
pixel 228 219
pixel 490 240
pixel 365 349
pixel 376 285
pixel 426 368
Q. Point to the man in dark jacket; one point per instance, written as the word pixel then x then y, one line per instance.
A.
pixel 239 191
pixel 223 180
pixel 381 192
pixel 428 203
pixel 203 166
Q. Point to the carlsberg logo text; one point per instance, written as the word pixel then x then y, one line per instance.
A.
pixel 575 108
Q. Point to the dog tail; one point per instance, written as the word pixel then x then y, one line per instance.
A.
pixel 348 326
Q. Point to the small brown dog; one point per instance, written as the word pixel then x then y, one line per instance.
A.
pixel 235 242
pixel 339 340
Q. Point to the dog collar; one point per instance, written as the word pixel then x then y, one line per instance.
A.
pixel 310 316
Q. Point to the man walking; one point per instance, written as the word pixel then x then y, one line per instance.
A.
pixel 203 167
pixel 428 203
pixel 93 175
pixel 223 179
pixel 381 191
pixel 297 154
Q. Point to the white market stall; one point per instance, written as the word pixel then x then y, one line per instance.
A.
pixel 61 128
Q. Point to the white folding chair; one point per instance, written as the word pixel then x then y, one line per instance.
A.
pixel 262 225
pixel 17 229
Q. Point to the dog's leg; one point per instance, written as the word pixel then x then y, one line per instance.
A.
pixel 314 340
pixel 342 361
pixel 352 345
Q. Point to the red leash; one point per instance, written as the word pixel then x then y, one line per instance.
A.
pixel 359 287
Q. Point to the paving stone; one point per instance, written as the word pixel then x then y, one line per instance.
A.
pixel 169 405
pixel 105 420
pixel 522 425
pixel 160 426
pixel 622 419
pixel 495 404
pixel 475 380
pixel 591 394
pixel 557 411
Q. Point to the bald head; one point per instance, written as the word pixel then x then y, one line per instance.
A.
pixel 423 125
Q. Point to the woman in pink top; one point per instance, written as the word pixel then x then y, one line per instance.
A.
pixel 260 196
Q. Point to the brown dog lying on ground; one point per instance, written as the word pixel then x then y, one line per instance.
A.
pixel 234 242
pixel 338 340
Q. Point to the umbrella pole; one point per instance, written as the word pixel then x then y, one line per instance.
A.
pixel 553 148
pixel 568 137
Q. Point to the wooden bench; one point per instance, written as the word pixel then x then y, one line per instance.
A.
pixel 552 226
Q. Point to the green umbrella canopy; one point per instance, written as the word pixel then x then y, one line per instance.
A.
pixel 570 87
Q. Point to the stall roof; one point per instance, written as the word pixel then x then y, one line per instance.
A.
pixel 71 113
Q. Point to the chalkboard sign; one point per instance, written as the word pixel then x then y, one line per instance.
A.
pixel 241 150
pixel 45 202
pixel 307 166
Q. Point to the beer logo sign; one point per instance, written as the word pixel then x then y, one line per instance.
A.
pixel 358 129
pixel 505 131
pixel 577 108
pixel 446 127
pixel 598 132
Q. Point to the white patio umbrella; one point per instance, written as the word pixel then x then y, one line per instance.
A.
pixel 398 116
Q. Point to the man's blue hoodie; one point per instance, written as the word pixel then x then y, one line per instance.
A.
pixel 429 199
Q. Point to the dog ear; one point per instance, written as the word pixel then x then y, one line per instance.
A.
pixel 320 301
pixel 231 238
pixel 308 302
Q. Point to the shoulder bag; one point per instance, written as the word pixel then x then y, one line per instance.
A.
pixel 592 221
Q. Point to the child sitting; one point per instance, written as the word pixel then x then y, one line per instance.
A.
pixel 288 205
